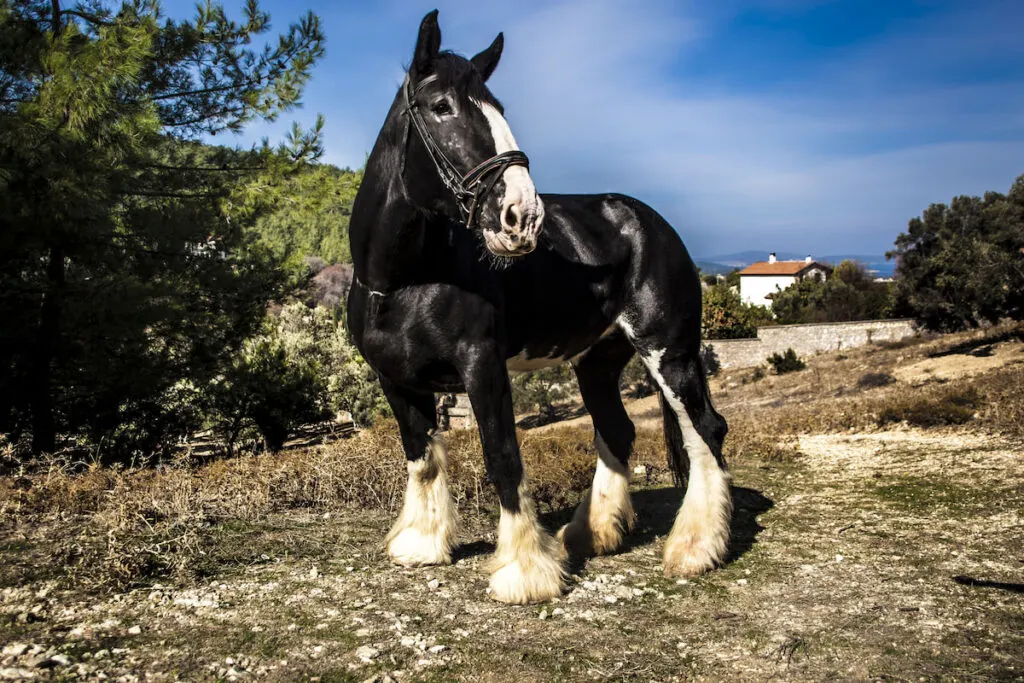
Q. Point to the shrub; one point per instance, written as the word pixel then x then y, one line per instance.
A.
pixel 269 390
pixel 849 293
pixel 871 380
pixel 709 359
pixel 635 380
pixel 300 369
pixel 725 316
pixel 541 389
pixel 313 336
pixel 953 406
pixel 786 362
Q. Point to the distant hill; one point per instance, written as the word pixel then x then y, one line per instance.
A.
pixel 712 268
pixel 723 263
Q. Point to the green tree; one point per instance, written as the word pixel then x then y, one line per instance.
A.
pixel 961 265
pixel 311 216
pixel 725 316
pixel 126 267
pixel 849 293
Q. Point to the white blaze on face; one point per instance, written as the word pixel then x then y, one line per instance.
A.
pixel 519 189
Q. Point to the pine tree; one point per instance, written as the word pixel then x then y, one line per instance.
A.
pixel 127 269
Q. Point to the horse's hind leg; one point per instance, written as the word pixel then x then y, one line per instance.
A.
pixel 606 514
pixel 426 529
pixel 700 535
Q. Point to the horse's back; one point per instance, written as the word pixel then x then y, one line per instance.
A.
pixel 597 255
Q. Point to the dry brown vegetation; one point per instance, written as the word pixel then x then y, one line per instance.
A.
pixel 911 467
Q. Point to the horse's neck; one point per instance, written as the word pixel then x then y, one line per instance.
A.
pixel 387 239
pixel 388 231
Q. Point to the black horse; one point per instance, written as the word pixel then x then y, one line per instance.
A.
pixel 462 273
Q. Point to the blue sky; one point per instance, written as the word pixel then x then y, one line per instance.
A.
pixel 796 125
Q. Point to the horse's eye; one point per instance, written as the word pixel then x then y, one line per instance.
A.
pixel 441 107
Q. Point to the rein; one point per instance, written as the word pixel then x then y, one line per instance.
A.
pixel 470 188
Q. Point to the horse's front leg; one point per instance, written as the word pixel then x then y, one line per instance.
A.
pixel 528 564
pixel 426 530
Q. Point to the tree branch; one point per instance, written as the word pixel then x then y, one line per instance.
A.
pixel 91 18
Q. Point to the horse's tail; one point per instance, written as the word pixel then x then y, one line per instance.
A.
pixel 676 456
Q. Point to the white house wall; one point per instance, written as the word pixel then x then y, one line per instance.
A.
pixel 754 289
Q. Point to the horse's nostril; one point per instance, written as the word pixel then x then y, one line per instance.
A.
pixel 511 217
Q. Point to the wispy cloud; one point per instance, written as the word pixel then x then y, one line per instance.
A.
pixel 834 153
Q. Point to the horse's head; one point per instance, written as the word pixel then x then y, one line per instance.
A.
pixel 462 154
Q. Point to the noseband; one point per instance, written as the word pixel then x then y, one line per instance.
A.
pixel 471 188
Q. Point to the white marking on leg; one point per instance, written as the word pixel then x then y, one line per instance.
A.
pixel 626 327
pixel 606 514
pixel 425 531
pixel 528 564
pixel 700 535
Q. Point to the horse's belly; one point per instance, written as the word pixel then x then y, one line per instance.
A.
pixel 525 361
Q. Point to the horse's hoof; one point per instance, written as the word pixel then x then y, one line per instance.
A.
pixel 536 579
pixel 412 548
pixel 687 557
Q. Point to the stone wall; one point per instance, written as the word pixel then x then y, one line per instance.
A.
pixel 808 340
pixel 455 412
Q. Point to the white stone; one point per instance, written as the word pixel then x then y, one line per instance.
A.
pixel 367 653
pixel 15 649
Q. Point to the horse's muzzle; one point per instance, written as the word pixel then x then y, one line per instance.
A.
pixel 520 224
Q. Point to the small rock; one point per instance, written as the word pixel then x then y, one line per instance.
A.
pixel 558 611
pixel 741 582
pixel 135 630
pixel 438 648
pixel 60 660
pixel 16 674
pixel 14 649
pixel 433 584
pixel 543 614
pixel 367 653
pixel 314 572
pixel 839 558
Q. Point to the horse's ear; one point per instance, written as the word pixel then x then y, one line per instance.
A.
pixel 486 61
pixel 428 44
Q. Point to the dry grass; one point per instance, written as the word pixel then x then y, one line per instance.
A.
pixel 131 525
pixel 952 406
pixel 138 524
pixel 856 392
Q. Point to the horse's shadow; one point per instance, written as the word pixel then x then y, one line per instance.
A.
pixel 655 512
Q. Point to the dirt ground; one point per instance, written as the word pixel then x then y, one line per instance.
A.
pixel 882 555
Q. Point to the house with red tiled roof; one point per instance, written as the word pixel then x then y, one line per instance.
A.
pixel 759 281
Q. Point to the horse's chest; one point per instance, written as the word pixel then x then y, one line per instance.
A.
pixel 416 341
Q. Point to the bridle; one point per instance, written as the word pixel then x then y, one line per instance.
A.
pixel 471 188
